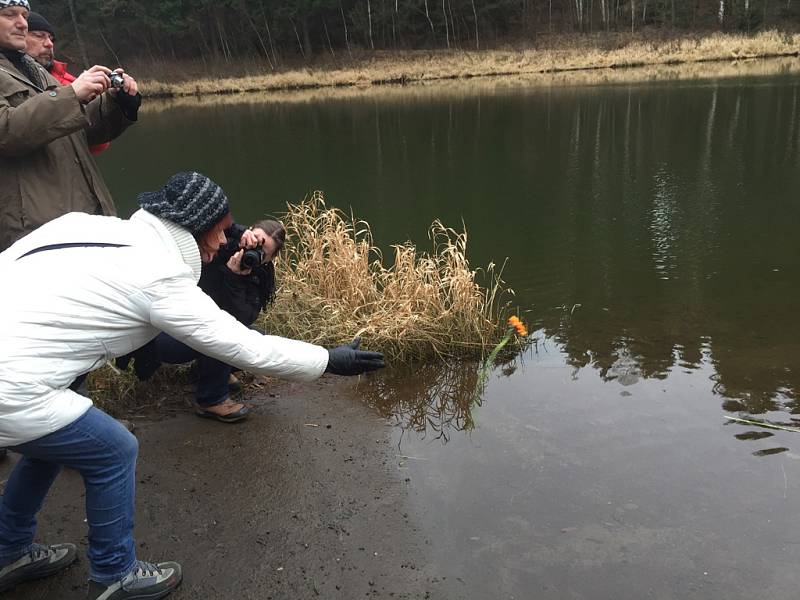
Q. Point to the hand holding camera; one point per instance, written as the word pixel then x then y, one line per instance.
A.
pixel 251 254
pixel 91 83
pixel 120 81
pixel 98 79
pixel 117 80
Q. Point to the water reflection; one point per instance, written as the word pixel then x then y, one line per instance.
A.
pixel 430 399
pixel 653 225
pixel 676 236
pixel 438 398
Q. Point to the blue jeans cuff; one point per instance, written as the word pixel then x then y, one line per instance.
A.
pixel 109 579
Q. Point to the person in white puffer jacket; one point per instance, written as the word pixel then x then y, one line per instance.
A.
pixel 111 286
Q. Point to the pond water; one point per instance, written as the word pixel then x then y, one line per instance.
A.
pixel 651 231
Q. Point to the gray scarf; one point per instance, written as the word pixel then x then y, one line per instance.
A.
pixel 32 70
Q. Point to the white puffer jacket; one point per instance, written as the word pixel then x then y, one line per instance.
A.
pixel 67 311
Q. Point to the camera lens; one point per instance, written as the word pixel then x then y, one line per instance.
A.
pixel 251 258
pixel 116 80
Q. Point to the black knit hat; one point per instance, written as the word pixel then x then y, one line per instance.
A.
pixel 37 22
pixel 189 199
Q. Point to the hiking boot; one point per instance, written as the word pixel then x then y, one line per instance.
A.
pixel 146 582
pixel 39 561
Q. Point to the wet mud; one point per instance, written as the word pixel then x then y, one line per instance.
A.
pixel 302 500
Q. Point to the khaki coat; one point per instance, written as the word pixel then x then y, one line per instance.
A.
pixel 46 169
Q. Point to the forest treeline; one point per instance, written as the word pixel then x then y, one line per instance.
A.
pixel 280 30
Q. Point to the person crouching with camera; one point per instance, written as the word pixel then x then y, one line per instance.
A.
pixel 241 280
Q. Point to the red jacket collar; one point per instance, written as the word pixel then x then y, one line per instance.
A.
pixel 59 71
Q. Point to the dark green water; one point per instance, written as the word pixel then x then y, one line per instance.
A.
pixel 667 212
pixel 652 230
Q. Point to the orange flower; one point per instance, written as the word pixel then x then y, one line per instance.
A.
pixel 519 327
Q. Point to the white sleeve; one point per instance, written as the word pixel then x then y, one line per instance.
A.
pixel 184 311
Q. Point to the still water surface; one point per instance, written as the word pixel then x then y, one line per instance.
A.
pixel 652 230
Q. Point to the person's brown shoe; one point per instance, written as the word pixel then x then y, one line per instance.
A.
pixel 226 411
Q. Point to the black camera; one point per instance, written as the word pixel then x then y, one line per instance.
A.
pixel 117 81
pixel 251 258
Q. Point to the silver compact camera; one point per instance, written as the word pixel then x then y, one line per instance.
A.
pixel 117 80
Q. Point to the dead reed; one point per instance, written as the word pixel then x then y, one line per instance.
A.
pixel 334 286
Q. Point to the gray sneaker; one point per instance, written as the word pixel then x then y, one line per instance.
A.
pixel 39 561
pixel 146 582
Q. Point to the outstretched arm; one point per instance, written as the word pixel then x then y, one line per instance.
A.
pixel 185 312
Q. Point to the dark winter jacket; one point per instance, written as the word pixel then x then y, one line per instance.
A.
pixel 243 296
pixel 46 169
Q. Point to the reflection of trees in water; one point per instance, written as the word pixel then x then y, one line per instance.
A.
pixel 428 398
pixel 676 234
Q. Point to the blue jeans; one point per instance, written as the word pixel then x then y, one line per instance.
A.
pixel 104 453
pixel 212 374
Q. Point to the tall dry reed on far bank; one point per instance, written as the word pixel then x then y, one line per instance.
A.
pixel 334 286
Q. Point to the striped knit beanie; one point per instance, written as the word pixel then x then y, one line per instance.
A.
pixel 189 199
pixel 9 3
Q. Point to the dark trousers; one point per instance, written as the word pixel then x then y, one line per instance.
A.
pixel 212 374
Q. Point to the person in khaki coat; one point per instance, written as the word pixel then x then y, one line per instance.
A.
pixel 46 169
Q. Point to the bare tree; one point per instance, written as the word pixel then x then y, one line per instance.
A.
pixel 446 25
pixel 475 14
pixel 579 13
pixel 78 36
pixel 369 19
pixel 346 39
pixel 330 46
pixel 428 16
pixel 297 35
pixel 243 10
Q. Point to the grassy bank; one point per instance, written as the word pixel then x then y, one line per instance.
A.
pixel 549 54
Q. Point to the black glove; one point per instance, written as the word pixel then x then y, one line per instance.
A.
pixel 129 105
pixel 349 360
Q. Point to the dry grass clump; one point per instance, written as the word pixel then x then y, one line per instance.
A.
pixel 334 286
pixel 121 394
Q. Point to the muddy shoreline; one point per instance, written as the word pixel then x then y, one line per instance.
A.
pixel 302 500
